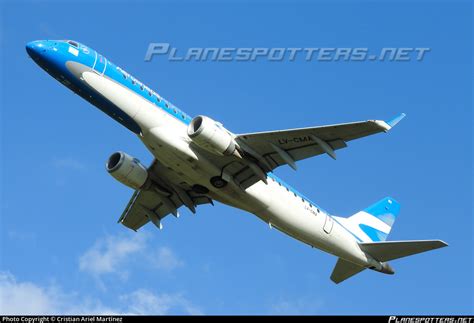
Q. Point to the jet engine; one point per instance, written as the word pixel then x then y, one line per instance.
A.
pixel 127 170
pixel 212 136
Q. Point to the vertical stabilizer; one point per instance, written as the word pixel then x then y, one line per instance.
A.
pixel 375 222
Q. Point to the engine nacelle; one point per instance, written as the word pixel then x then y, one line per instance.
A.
pixel 127 170
pixel 210 135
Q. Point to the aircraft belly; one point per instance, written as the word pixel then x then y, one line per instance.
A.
pixel 288 214
pixel 128 102
pixel 270 202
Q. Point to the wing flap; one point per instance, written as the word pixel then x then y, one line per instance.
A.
pixel 153 204
pixel 300 153
pixel 143 207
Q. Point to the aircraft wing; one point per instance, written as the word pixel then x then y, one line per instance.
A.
pixel 265 151
pixel 288 146
pixel 152 205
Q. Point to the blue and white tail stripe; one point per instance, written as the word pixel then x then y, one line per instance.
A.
pixel 375 222
pixel 385 210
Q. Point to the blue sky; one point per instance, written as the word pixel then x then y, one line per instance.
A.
pixel 61 250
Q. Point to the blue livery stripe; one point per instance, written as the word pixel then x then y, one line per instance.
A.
pixel 386 210
pixel 373 234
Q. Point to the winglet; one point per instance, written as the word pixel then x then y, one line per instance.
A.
pixel 392 123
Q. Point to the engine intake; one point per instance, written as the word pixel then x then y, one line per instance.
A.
pixel 127 170
pixel 212 136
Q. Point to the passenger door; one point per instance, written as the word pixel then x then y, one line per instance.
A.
pixel 100 64
pixel 328 224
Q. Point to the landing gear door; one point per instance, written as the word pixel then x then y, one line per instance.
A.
pixel 328 224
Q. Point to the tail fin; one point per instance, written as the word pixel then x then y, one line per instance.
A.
pixel 371 227
pixel 375 222
pixel 389 250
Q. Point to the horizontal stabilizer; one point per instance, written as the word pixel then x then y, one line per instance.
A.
pixel 343 270
pixel 389 250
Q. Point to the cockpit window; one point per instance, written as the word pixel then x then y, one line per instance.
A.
pixel 73 43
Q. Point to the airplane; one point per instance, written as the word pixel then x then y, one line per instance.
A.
pixel 198 161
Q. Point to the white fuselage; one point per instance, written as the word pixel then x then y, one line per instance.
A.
pixel 166 138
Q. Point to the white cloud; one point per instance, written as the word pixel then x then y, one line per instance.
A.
pixel 296 306
pixel 164 258
pixel 115 255
pixel 108 255
pixel 30 298
pixel 23 298
pixel 143 301
pixel 21 236
pixel 68 163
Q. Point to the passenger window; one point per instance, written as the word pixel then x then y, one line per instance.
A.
pixel 141 87
pixel 133 82
pixel 158 98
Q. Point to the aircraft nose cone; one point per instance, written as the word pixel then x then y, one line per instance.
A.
pixel 35 48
